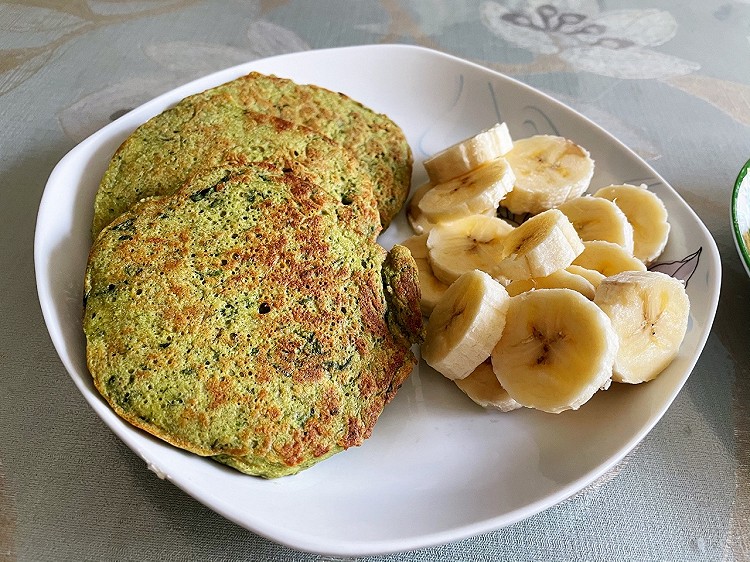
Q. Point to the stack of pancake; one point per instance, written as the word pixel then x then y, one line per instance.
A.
pixel 237 303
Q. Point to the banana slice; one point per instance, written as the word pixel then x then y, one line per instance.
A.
pixel 549 170
pixel 591 275
pixel 465 325
pixel 649 311
pixel 469 154
pixel 432 288
pixel 419 223
pixel 473 242
pixel 607 258
pixel 543 244
pixel 483 388
pixel 417 245
pixel 556 351
pixel 646 213
pixel 596 218
pixel 560 279
pixel 472 193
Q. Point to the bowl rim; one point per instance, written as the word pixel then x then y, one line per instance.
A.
pixel 738 234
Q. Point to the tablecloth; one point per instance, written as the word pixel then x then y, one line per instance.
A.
pixel 670 79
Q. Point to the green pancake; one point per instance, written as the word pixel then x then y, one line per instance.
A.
pixel 223 125
pixel 246 318
pixel 200 134
pixel 378 143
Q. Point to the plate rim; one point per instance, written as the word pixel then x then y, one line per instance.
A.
pixel 379 546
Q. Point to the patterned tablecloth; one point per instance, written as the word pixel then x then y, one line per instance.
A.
pixel 670 79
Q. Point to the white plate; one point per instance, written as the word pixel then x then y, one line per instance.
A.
pixel 437 467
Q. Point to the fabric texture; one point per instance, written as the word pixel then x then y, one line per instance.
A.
pixel 671 81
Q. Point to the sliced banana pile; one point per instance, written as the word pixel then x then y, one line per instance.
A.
pixel 543 314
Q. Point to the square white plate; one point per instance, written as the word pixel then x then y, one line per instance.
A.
pixel 437 468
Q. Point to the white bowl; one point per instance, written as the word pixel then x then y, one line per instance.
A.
pixel 740 215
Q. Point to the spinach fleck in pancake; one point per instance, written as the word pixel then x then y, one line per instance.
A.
pixel 378 143
pixel 245 318
pixel 201 133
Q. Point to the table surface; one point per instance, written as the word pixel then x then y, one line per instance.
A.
pixel 670 79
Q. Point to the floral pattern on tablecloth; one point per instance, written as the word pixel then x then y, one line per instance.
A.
pixel 560 35
pixel 614 43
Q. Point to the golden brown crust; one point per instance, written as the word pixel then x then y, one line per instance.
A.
pixel 201 133
pixel 243 318
pixel 378 143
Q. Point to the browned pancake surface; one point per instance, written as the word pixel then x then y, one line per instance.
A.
pixel 245 317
